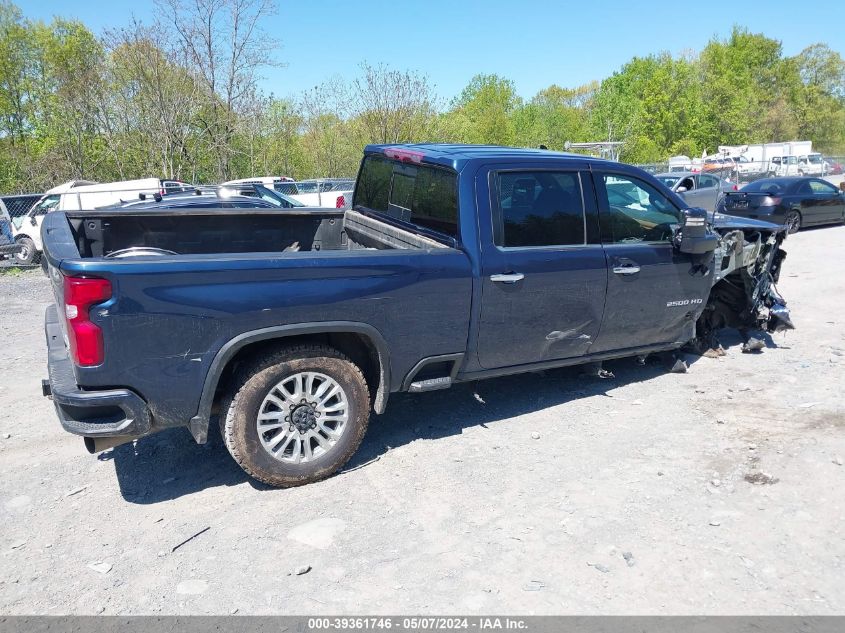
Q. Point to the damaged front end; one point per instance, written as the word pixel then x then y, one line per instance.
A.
pixel 744 296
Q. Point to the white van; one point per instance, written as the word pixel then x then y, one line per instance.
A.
pixel 82 195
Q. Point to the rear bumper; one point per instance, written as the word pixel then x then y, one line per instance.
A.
pixel 106 413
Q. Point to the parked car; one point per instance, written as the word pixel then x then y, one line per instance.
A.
pixel 333 193
pixel 780 166
pixel 245 196
pixel 699 190
pixel 271 196
pixel 8 246
pixel 812 165
pixel 455 263
pixel 84 194
pixel 836 168
pixel 794 202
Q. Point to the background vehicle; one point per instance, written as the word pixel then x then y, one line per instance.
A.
pixel 82 194
pixel 203 201
pixel 267 181
pixel 680 163
pixel 698 190
pixel 27 228
pixel 455 263
pixel 723 167
pixel 836 168
pixel 782 166
pixel 333 193
pixel 271 196
pixel 794 202
pixel 812 165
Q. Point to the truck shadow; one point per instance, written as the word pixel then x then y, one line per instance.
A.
pixel 169 465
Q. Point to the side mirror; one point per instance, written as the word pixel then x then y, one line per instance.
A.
pixel 693 237
pixel 681 190
pixel 33 221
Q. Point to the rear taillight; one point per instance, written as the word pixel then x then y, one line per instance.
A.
pixel 736 188
pixel 775 201
pixel 85 338
pixel 340 202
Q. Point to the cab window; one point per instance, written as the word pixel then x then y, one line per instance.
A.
pixel 635 211
pixel 421 195
pixel 538 208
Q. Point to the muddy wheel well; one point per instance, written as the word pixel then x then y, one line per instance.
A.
pixel 358 347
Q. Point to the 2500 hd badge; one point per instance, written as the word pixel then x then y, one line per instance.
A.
pixel 683 302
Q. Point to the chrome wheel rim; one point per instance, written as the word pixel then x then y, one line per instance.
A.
pixel 793 222
pixel 302 417
pixel 23 253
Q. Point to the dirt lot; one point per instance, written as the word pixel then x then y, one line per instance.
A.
pixel 541 494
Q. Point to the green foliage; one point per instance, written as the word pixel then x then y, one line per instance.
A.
pixel 140 101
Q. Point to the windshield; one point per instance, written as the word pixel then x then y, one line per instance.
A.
pixel 275 198
pixel 815 158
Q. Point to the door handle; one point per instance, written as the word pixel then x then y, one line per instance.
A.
pixel 627 269
pixel 507 278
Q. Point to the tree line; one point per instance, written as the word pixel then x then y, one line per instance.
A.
pixel 180 98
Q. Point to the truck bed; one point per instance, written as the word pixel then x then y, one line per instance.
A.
pixel 209 231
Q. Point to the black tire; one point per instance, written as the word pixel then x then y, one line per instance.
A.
pixel 793 222
pixel 28 253
pixel 253 382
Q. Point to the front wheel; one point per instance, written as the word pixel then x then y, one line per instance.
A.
pixel 793 222
pixel 296 416
pixel 28 253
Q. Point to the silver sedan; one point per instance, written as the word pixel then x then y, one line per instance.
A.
pixel 699 190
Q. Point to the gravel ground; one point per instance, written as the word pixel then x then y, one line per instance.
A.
pixel 535 494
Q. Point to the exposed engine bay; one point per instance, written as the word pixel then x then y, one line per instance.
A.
pixel 747 265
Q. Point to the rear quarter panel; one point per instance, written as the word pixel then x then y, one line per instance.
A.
pixel 170 316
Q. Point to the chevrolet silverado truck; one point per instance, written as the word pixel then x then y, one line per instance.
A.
pixel 455 263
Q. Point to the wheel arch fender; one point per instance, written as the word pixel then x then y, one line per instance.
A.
pixel 198 425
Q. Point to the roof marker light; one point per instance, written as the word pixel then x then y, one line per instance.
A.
pixel 404 155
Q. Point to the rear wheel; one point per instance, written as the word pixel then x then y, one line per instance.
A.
pixel 296 416
pixel 793 222
pixel 28 254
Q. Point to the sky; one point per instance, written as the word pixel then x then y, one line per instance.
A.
pixel 534 43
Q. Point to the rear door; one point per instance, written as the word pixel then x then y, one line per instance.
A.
pixel 544 274
pixel 653 294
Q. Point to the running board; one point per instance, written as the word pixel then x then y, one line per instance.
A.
pixel 432 384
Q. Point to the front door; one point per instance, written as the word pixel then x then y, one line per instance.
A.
pixel 543 281
pixel 654 296
pixel 821 202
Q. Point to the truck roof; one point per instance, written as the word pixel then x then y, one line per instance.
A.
pixel 457 156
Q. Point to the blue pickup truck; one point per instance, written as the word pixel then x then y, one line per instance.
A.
pixel 454 263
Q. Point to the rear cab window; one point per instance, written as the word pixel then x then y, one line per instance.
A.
pixel 423 196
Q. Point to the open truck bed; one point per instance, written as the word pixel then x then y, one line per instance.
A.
pixel 122 233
